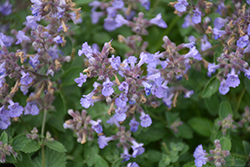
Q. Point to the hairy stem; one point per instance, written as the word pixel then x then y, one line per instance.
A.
pixel 42 136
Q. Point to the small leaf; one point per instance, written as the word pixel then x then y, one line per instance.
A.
pixel 165 160
pixel 247 84
pixel 31 146
pixel 89 154
pixel 201 125
pixel 4 137
pixel 225 109
pixel 225 143
pixel 246 146
pixel 57 146
pixel 19 142
pixel 68 78
pixel 184 131
pixel 100 162
pixel 213 104
pixel 26 161
pixel 211 87
pixel 117 163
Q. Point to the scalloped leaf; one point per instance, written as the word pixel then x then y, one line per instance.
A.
pixel 202 126
pixel 19 142
pixel 31 146
pixel 57 146
pixel 100 162
pixel 4 137
pixel 211 87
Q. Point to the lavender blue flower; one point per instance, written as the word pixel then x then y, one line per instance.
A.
pixel 2 68
pixel 205 44
pixel 199 155
pixel 118 4
pixel 26 79
pixel 120 114
pixel 86 50
pixel 81 79
pixel 21 37
pixel 224 88
pixel 126 156
pixel 31 108
pixel 112 120
pixel 187 22
pixel 120 20
pixel 248 29
pixel 34 61
pixel 110 24
pixel 96 126
pixel 4 124
pixel 4 114
pixel 103 141
pixel 107 89
pixel 58 39
pixel 87 100
pixel 115 62
pixel 137 149
pixel 158 21
pixel 146 121
pixel 196 16
pixel 6 8
pixel 218 33
pixel 124 87
pixel 15 109
pixel 133 164
pixel 181 6
pixel 53 52
pixel 133 125
pixel 219 22
pixel 121 101
pixel 232 79
pixel 243 41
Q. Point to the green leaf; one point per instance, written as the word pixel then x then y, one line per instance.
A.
pixel 89 154
pixel 67 48
pixel 213 104
pixel 82 2
pixel 68 78
pixel 100 162
pixel 184 131
pixel 117 163
pixel 153 156
pixel 59 105
pixel 165 160
pixel 19 142
pixel 246 147
pixel 225 143
pixel 52 159
pixel 247 84
pixel 26 161
pixel 31 146
pixel 211 87
pixel 190 164
pixel 225 109
pixel 233 161
pixel 176 146
pixel 57 146
pixel 4 137
pixel 202 126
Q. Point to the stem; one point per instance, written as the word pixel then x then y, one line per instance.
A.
pixel 24 124
pixel 166 148
pixel 42 136
pixel 240 98
pixel 212 48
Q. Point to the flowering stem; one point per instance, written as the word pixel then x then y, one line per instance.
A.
pixel 42 136
pixel 166 148
pixel 240 98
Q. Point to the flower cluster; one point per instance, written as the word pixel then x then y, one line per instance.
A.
pixel 227 123
pixel 6 149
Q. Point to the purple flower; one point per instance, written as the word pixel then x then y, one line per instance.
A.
pixel 188 22
pixel 145 3
pixel 87 101
pixel 86 50
pixel 199 155
pixel 121 101
pixel 212 68
pixel 4 124
pixel 133 124
pixel 119 19
pixel 123 87
pixel 115 62
pixel 196 16
pixel 224 88
pixel 159 21
pixel 95 16
pixel 146 121
pixel 188 94
pixel 15 109
pixel 137 148
pixel 81 79
pixel 120 114
pixel 26 79
pixel 112 120
pixel 110 24
pixel 248 29
pixel 21 37
pixel 34 61
pixel 5 8
pixel 96 125
pixel 31 21
pixel 181 6
pixel 31 108
pixel 58 39
pixel 219 22
pixel 103 141
pixel 2 68
pixel 133 164
pixel 205 44
pixel 218 33
pixel 118 4
pixel 107 89
pixel 247 72
pixel 24 89
pixel 243 41
pixel 232 79
pixel 248 2
pixel 73 18
pixel 4 114
pixel 53 52
pixel 126 156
